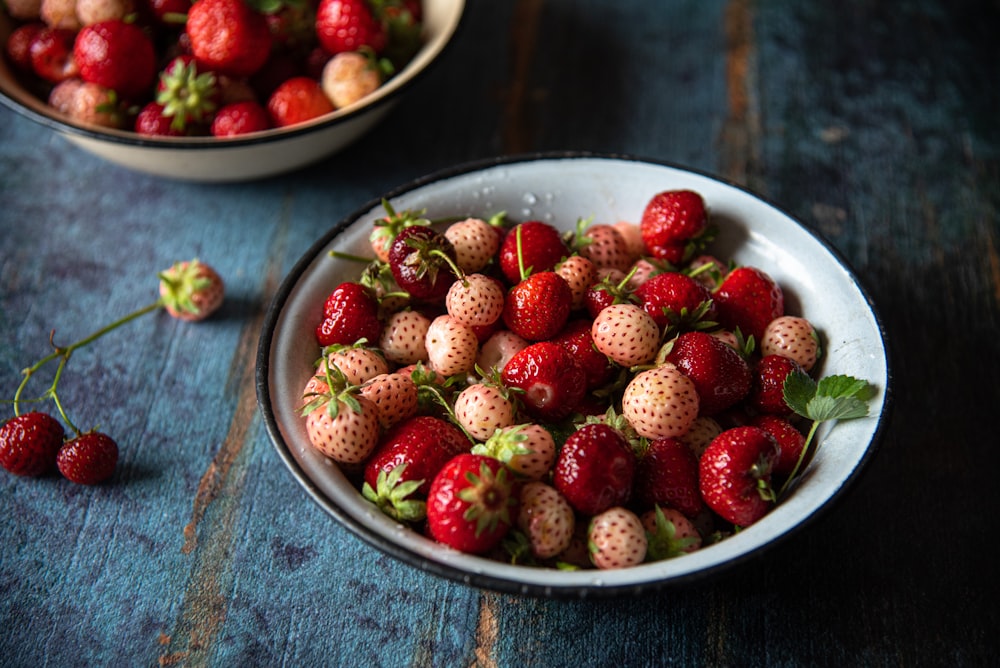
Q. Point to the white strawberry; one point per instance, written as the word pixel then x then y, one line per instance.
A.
pixel 605 247
pixel 476 243
pixel 579 273
pixel 475 300
pixel 402 340
pixel 527 449
pixel 394 395
pixel 631 234
pixel 498 349
pixel 660 402
pixel 640 272
pixel 670 533
pixel 546 519
pixel 359 364
pixel 626 334
pixel 315 387
pixel 616 539
pixel 341 424
pixel 702 431
pixel 791 337
pixel 451 346
pixel 483 408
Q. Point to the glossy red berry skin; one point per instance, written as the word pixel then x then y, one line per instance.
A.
pixel 29 444
pixel 88 459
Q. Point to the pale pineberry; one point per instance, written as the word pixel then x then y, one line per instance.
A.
pixel 546 519
pixel 660 402
pixel 626 334
pixel 616 539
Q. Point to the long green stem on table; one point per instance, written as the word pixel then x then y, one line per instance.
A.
pixel 65 352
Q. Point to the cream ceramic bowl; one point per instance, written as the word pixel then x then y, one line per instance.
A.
pixel 257 155
pixel 560 189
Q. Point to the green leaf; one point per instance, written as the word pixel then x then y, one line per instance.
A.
pixel 821 408
pixel 842 386
pixel 798 390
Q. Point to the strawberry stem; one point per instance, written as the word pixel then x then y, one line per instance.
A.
pixel 801 459
pixel 348 256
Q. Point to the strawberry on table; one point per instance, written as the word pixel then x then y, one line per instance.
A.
pixel 29 443
pixel 88 459
pixel 595 469
pixel 191 290
pixel 472 503
pixel 735 474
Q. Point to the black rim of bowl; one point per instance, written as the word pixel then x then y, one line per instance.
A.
pixel 500 584
pixel 279 134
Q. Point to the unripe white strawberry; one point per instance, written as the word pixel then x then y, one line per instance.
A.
pixel 315 387
pixel 191 290
pixel 482 409
pixel 641 271
pixel 727 337
pixel 791 337
pixel 359 365
pixel 475 300
pixel 498 349
pixel 626 334
pixel 348 77
pixel 475 242
pixel 451 346
pixel 604 246
pixel 579 273
pixel 631 234
pixel 660 402
pixel 90 12
pixel 703 431
pixel 402 339
pixel 546 518
pixel 527 449
pixel 344 429
pixel 394 395
pixel 616 539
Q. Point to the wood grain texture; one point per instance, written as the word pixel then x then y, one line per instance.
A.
pixel 873 123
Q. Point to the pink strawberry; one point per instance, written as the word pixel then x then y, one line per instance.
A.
pixel 29 444
pixel 626 334
pixel 451 346
pixel 767 392
pixel 667 475
pixel 472 503
pixel 498 349
pixel 475 242
pixel 357 363
pixel 551 382
pixel 631 234
pixel 394 396
pixel 735 474
pixel 790 440
pixel 616 539
pixel 702 432
pixel 720 374
pixel 475 300
pixel 671 219
pixel 792 337
pixel 350 76
pixel 749 299
pixel 595 469
pixel 670 533
pixel 538 307
pixel 605 247
pixel 529 248
pixel 191 290
pixel 676 300
pixel 579 274
pixel 350 313
pixel 660 402
pixel 341 424
pixel 483 408
pixel 421 260
pixel 528 450
pixel 402 338
pixel 88 459
pixel 546 519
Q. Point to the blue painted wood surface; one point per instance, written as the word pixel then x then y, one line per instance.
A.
pixel 875 123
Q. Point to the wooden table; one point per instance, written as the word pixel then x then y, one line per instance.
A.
pixel 874 123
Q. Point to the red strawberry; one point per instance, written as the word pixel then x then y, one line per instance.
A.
pixel 790 439
pixel 660 402
pixel 720 374
pixel 529 248
pixel 18 46
pixel 29 444
pixel 472 503
pixel 88 459
pixel 735 474
pixel 117 55
pixel 792 337
pixel 676 300
pixel 297 100
pixel 348 25
pixel 612 288
pixel 421 261
pixel 616 538
pixel 188 92
pixel 551 380
pixel 767 394
pixel 595 469
pixel 667 475
pixel 576 338
pixel 228 36
pixel 538 307
pixel 670 220
pixel 191 290
pixel 350 314
pixel 153 122
pixel 51 54
pixel 749 299
pixel 424 443
pixel 626 334
pixel 546 519
pixel 240 118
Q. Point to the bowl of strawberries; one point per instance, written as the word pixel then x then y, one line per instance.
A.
pixel 571 374
pixel 216 90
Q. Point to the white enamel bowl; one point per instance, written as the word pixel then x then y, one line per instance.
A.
pixel 560 189
pixel 257 155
